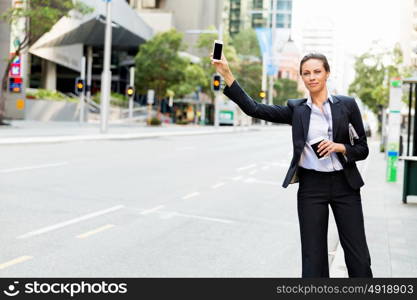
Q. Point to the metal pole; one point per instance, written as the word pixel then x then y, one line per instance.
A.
pixel 414 152
pixel 410 105
pixel 82 96
pixel 132 80
pixel 106 75
pixel 218 96
pixel 273 52
pixel 89 71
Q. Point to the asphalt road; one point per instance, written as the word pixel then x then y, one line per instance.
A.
pixel 196 206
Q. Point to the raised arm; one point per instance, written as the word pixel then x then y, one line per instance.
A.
pixel 270 113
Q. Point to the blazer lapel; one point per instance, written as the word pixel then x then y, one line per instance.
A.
pixel 336 115
pixel 305 119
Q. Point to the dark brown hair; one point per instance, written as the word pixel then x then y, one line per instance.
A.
pixel 318 56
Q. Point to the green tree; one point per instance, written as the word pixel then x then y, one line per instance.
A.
pixel 247 43
pixel 40 16
pixel 286 89
pixel 249 68
pixel 161 68
pixel 374 69
pixel 249 75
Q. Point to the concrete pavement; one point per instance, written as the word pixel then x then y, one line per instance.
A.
pixel 390 225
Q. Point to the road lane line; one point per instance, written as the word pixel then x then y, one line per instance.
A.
pixel 15 261
pixel 246 167
pixel 70 222
pixel 217 185
pixel 202 218
pixel 191 195
pixel 151 210
pixel 185 148
pixel 90 233
pixel 34 167
pixel 254 180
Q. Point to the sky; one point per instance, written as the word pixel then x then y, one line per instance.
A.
pixel 357 22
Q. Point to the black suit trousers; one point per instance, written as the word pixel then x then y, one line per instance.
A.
pixel 318 190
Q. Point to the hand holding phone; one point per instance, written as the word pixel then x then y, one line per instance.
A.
pixel 217 51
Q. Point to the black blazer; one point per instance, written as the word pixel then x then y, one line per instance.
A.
pixel 297 113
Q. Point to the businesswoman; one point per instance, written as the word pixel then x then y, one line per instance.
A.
pixel 331 180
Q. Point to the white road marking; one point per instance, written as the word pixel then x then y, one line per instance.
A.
pixel 246 167
pixel 191 195
pixel 185 148
pixel 89 233
pixel 217 185
pixel 253 172
pixel 14 261
pixel 70 222
pixel 174 213
pixel 151 210
pixel 254 180
pixel 34 167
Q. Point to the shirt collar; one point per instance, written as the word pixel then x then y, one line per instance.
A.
pixel 310 102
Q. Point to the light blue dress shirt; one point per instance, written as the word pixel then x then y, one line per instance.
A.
pixel 320 126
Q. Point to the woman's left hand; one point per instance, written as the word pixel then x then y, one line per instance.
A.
pixel 326 147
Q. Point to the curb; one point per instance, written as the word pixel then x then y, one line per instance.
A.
pixel 100 137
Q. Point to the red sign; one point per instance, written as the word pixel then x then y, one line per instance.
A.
pixel 15 67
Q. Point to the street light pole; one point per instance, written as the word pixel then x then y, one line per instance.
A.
pixel 273 53
pixel 106 75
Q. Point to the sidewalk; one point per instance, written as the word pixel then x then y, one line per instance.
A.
pixel 27 132
pixel 390 225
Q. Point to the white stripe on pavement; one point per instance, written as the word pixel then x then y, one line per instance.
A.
pixel 254 180
pixel 90 233
pixel 151 210
pixel 70 222
pixel 191 195
pixel 15 261
pixel 174 213
pixel 217 185
pixel 34 167
pixel 246 167
pixel 253 172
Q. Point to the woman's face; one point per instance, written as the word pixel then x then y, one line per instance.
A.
pixel 314 75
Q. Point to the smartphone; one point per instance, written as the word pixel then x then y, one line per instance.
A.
pixel 217 52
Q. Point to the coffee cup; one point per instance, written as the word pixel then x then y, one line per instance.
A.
pixel 314 143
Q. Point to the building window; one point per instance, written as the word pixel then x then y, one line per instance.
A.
pixel 284 4
pixel 283 20
pixel 258 21
pixel 150 3
pixel 257 4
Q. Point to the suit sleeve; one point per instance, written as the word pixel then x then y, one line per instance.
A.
pixel 360 150
pixel 270 113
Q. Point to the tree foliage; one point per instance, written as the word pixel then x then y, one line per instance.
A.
pixel 374 70
pixel 285 89
pixel 247 43
pixel 160 67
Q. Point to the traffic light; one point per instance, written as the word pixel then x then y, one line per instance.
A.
pixel 262 94
pixel 130 91
pixel 216 82
pixel 79 86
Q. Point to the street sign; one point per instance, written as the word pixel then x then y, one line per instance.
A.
pixel 20 104
pixel 151 96
pixel 15 67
